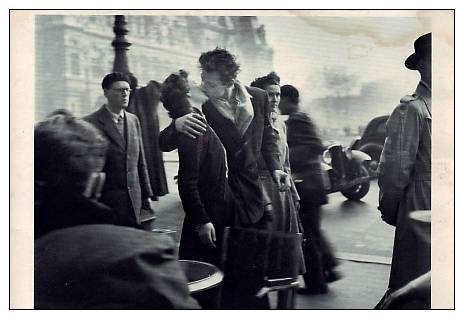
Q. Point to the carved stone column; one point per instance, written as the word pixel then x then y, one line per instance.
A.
pixel 120 45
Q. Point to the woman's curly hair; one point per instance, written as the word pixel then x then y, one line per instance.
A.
pixel 174 94
pixel 270 79
pixel 221 61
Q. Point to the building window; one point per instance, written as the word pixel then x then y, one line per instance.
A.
pixel 75 64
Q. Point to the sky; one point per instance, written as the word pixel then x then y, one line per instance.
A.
pixel 337 55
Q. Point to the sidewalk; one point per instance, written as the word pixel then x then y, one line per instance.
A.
pixel 362 286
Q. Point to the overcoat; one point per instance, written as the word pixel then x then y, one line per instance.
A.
pixel 404 181
pixel 284 214
pixel 127 179
pixel 144 104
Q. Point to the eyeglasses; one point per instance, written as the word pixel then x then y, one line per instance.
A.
pixel 122 90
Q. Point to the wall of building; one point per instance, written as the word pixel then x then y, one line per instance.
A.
pixel 73 53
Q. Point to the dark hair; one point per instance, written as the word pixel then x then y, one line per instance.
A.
pixel 270 79
pixel 109 79
pixel 66 151
pixel 291 93
pixel 174 94
pixel 221 61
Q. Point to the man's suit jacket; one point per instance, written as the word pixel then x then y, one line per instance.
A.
pixel 108 267
pixel 126 172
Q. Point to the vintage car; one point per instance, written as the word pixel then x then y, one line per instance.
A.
pixel 372 140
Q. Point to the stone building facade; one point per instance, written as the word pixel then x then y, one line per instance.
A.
pixel 74 52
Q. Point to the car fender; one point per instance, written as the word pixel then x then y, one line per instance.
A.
pixel 360 156
pixel 366 148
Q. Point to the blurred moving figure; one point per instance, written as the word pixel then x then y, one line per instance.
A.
pixel 305 151
pixel 127 181
pixel 202 175
pixel 405 170
pixel 99 266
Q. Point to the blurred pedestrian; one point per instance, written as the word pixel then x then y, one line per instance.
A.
pixel 201 177
pixel 405 169
pixel 127 182
pixel 81 262
pixel 305 152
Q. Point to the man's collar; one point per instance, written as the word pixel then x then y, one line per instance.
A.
pixel 115 115
pixel 423 89
pixel 234 91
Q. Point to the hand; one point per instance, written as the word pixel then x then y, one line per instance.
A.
pixel 207 234
pixel 192 125
pixel 387 216
pixel 297 205
pixel 282 180
pixel 146 205
pixel 95 185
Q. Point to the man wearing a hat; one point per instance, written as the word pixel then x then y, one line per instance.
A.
pixel 405 170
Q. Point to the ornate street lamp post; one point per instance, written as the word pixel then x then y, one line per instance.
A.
pixel 120 45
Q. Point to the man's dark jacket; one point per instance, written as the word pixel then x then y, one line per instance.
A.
pixel 242 153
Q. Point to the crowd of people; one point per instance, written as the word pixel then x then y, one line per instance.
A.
pixel 240 165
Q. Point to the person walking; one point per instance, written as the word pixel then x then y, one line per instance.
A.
pixel 305 151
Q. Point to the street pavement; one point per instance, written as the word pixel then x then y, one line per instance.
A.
pixel 362 243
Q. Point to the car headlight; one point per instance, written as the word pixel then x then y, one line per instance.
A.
pixel 326 157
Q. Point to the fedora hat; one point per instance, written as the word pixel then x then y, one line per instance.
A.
pixel 422 47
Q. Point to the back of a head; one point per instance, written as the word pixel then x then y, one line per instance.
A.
pixel 66 151
pixel 108 267
pixel 291 93
pixel 174 94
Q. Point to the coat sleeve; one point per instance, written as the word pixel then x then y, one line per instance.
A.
pixel 269 146
pixel 168 138
pixel 398 158
pixel 189 169
pixel 142 167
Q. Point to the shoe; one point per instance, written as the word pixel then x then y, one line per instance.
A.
pixel 332 275
pixel 316 290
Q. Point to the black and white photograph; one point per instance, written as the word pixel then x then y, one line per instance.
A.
pixel 232 159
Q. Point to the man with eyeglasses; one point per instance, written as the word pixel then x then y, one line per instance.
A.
pixel 127 182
